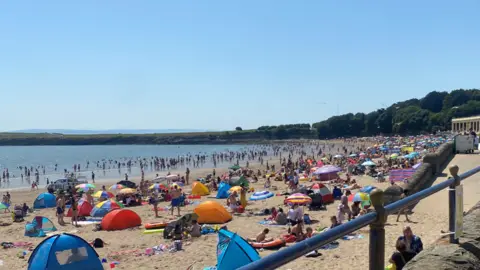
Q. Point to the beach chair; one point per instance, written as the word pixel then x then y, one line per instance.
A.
pixel 317 202
pixel 17 214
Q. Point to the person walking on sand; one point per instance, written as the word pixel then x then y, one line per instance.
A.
pixel 403 210
pixel 60 208
pixel 155 203
pixel 187 175
pixel 176 199
pixel 74 206
pixel 232 201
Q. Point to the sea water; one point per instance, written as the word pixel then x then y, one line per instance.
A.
pixel 12 157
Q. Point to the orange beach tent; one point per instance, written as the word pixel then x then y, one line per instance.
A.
pixel 199 189
pixel 120 219
pixel 212 213
pixel 84 209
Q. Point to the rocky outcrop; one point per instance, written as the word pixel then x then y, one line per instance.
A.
pixel 465 255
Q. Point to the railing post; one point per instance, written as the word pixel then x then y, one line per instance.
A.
pixel 452 203
pixel 377 232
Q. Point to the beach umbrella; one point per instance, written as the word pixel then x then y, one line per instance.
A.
pixel 359 197
pixel 327 169
pixel 369 163
pixel 178 185
pixel 158 187
pixel 102 208
pixel 338 156
pixel 85 187
pixel 172 177
pixel 234 167
pixel 103 194
pixel 3 206
pixel 394 156
pixel 117 187
pixel 235 188
pixel 160 178
pixel 298 198
pixel 353 155
pixel 128 191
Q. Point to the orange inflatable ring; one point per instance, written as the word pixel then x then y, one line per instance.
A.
pixel 277 243
pixel 159 225
pixel 289 238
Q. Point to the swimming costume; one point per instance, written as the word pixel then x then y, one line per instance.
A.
pixel 176 201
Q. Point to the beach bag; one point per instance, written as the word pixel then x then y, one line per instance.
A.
pixel 98 243
pixel 391 266
pixel 306 219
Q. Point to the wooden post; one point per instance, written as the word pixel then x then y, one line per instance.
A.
pixel 377 232
pixel 452 203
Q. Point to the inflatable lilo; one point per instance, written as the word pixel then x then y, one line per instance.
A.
pixel 261 195
pixel 274 244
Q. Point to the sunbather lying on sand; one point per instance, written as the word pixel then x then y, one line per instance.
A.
pixel 261 237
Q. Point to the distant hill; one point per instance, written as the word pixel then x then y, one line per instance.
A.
pixel 432 113
pixel 108 131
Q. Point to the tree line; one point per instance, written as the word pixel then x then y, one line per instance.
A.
pixel 432 113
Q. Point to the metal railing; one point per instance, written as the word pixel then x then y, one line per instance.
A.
pixel 375 219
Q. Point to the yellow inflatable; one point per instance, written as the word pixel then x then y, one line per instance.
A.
pixel 212 213
pixel 243 198
pixel 199 189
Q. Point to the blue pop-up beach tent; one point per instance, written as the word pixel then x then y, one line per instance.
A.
pixel 223 189
pixel 44 200
pixel 64 252
pixel 233 251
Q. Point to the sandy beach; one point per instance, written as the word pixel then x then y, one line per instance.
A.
pixel 128 246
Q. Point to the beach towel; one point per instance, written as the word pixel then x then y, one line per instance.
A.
pixel 332 245
pixel 351 237
pixel 269 223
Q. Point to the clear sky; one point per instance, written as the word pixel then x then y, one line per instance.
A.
pixel 220 64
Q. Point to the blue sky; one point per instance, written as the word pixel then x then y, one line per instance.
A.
pixel 220 64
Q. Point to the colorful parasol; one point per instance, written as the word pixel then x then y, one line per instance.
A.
pixel 102 208
pixel 173 185
pixel 158 187
pixel 3 206
pixel 117 187
pixel 127 191
pixel 103 194
pixel 85 187
pixel 235 188
pixel 298 198
pixel 359 197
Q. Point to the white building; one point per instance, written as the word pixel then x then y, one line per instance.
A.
pixel 465 124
